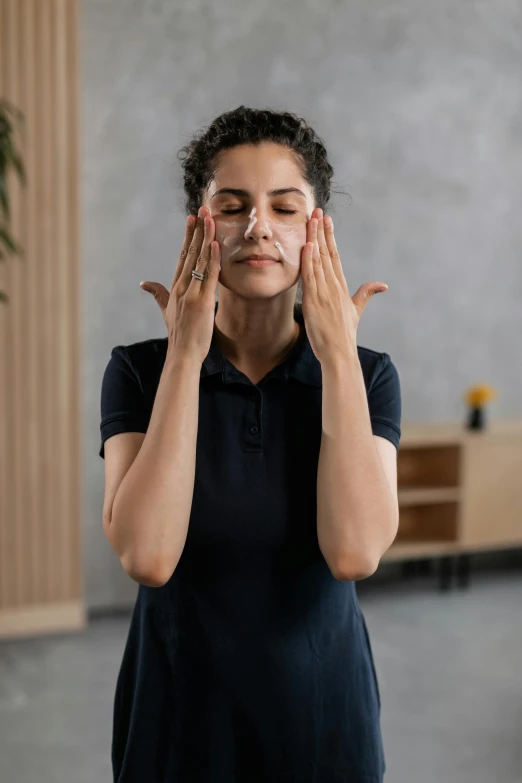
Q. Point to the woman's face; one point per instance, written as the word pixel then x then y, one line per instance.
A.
pixel 260 203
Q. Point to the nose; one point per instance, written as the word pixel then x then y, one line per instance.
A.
pixel 258 226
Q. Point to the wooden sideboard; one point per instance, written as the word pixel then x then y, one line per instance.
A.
pixel 460 490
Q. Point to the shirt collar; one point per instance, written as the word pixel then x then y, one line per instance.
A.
pixel 300 363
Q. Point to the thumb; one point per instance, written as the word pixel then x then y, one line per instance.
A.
pixel 365 292
pixel 158 291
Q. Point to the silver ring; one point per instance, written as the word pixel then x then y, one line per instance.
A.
pixel 198 275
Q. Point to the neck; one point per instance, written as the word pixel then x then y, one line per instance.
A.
pixel 257 337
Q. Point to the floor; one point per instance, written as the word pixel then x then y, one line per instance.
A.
pixel 449 667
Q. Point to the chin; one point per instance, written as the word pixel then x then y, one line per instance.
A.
pixel 257 290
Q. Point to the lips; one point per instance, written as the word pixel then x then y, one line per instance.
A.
pixel 256 257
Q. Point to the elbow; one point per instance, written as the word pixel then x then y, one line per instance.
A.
pixel 149 574
pixel 354 568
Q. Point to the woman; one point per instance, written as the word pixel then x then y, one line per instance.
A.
pixel 250 462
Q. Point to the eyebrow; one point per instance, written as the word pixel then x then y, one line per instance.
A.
pixel 241 192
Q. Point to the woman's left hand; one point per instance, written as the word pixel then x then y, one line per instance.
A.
pixel 331 315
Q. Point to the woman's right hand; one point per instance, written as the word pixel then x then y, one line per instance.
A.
pixel 188 309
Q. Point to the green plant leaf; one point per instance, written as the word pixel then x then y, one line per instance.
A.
pixel 16 160
pixel 9 158
pixel 4 199
pixel 6 127
pixel 9 150
pixel 9 108
pixel 8 240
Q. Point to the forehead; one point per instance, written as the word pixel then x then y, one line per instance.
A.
pixel 264 167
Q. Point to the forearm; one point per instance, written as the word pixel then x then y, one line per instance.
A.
pixel 356 515
pixel 152 507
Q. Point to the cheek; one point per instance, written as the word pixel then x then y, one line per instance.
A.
pixel 290 243
pixel 229 236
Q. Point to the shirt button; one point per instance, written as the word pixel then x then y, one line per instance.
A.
pixel 254 430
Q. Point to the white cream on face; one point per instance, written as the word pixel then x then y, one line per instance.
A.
pixel 281 250
pixel 253 220
pixel 289 239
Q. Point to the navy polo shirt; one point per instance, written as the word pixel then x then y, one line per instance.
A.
pixel 253 663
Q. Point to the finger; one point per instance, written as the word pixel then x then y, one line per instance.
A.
pixel 315 214
pixel 364 293
pixel 190 225
pixel 332 248
pixel 203 259
pixel 158 291
pixel 324 252
pixel 194 249
pixel 214 267
pixel 317 264
pixel 208 237
pixel 312 231
pixel 209 234
pixel 307 270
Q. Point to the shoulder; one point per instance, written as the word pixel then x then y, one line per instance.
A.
pixel 142 358
pixel 134 368
pixel 376 365
pixel 129 385
pixel 143 353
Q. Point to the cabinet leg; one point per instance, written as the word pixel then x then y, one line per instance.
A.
pixel 463 571
pixel 408 568
pixel 425 566
pixel 445 573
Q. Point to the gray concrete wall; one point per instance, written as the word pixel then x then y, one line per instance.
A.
pixel 420 105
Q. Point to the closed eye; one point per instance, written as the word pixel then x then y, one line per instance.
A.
pixel 235 211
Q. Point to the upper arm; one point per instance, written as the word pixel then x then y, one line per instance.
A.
pixel 120 452
pixel 384 402
pixel 388 456
pixel 124 422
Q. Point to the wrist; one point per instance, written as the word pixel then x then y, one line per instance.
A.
pixel 182 359
pixel 341 363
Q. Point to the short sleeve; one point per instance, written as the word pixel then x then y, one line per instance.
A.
pixel 384 401
pixel 123 406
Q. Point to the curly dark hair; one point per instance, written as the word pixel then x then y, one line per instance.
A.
pixel 253 126
pixel 200 157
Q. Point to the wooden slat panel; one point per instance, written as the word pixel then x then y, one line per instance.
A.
pixel 60 141
pixel 37 249
pixel 19 336
pixel 39 327
pixel 33 478
pixel 14 346
pixel 6 495
pixel 71 295
pixel 48 335
pixel 41 309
